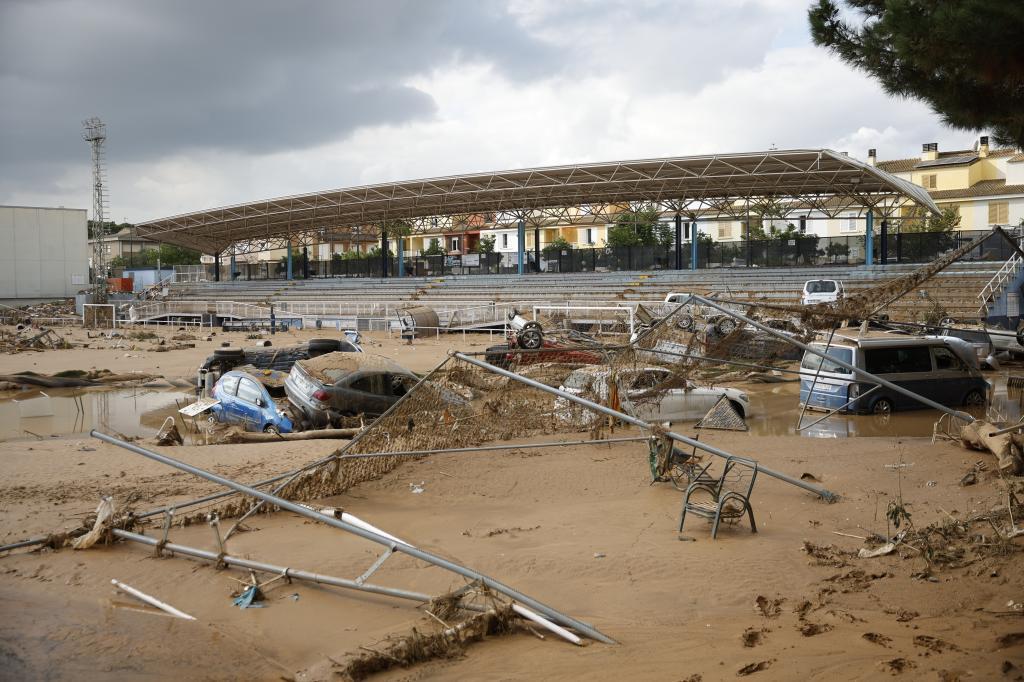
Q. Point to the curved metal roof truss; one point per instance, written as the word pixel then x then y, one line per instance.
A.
pixel 725 186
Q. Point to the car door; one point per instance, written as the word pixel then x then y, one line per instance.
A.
pixel 367 392
pixel 248 404
pixel 228 408
pixel 952 381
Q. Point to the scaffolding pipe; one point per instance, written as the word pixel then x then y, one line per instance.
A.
pixel 821 492
pixel 491 448
pixel 262 567
pixel 422 555
pixel 842 363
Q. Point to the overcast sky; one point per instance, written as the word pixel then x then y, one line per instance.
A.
pixel 210 103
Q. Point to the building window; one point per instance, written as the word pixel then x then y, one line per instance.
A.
pixel 590 235
pixel 455 244
pixel 803 224
pixel 930 181
pixel 725 230
pixel 504 240
pixel 998 212
pixel 848 223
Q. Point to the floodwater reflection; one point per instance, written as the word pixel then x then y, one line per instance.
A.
pixel 61 412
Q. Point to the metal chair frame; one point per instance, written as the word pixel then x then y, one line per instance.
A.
pixel 734 485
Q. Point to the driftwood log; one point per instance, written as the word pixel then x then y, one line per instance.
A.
pixel 255 437
pixel 1006 447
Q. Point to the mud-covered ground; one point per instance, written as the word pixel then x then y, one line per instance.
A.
pixel 580 528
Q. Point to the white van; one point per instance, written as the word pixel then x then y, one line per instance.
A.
pixel 821 291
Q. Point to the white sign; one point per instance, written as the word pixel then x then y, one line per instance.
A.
pixel 199 406
pixel 471 260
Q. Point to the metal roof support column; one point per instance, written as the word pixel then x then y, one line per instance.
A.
pixel 679 242
pixel 231 274
pixel 216 267
pixel 384 251
pixel 520 245
pixel 536 247
pixel 869 238
pixel 693 245
pixel 400 247
pixel 289 247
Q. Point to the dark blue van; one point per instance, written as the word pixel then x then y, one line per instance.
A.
pixel 942 369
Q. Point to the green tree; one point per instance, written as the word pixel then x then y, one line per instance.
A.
pixel 964 58
pixel 434 249
pixel 487 244
pixel 556 247
pixel 165 254
pixel 921 221
pixel 635 227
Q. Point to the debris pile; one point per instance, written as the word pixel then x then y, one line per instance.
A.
pixel 31 339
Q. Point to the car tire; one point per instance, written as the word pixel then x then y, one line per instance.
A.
pixel 882 406
pixel 497 356
pixel 531 339
pixel 685 322
pixel 974 398
pixel 270 428
pixel 532 324
pixel 229 353
pixel 1020 336
pixel 725 326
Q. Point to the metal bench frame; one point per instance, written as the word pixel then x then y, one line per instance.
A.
pixel 733 487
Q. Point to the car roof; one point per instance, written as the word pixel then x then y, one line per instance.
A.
pixel 333 366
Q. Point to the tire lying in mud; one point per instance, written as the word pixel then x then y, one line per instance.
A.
pixel 497 356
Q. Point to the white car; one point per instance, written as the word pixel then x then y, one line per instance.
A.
pixel 639 396
pixel 821 291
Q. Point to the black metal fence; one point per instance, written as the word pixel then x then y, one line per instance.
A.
pixel 804 251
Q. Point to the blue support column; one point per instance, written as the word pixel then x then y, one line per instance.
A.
pixel 289 259
pixel 679 242
pixel 401 256
pixel 869 239
pixel 520 246
pixel 693 245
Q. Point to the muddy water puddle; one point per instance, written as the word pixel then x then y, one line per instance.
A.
pixel 776 410
pixel 63 412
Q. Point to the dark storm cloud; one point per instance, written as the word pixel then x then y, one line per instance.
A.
pixel 253 77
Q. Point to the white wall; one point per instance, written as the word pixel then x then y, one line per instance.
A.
pixel 44 252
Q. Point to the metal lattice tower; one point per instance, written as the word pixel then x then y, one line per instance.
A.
pixel 95 134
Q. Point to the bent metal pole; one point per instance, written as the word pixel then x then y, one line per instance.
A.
pixel 856 370
pixel 414 552
pixel 821 492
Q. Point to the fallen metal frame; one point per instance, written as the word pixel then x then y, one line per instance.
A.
pixel 414 552
pixel 629 419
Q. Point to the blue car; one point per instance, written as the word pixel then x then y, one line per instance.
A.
pixel 244 400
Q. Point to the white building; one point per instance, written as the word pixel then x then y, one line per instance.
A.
pixel 44 252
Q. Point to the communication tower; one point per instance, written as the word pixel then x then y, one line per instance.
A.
pixel 95 134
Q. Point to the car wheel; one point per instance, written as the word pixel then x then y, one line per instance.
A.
pixel 725 326
pixel 531 339
pixel 974 399
pixel 738 408
pixel 229 353
pixel 685 322
pixel 882 406
pixel 532 324
pixel 947 322
pixel 270 428
pixel 1020 336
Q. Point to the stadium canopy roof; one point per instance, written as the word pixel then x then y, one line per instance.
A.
pixel 774 183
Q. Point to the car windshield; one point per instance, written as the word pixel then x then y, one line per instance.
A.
pixel 812 362
pixel 821 286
